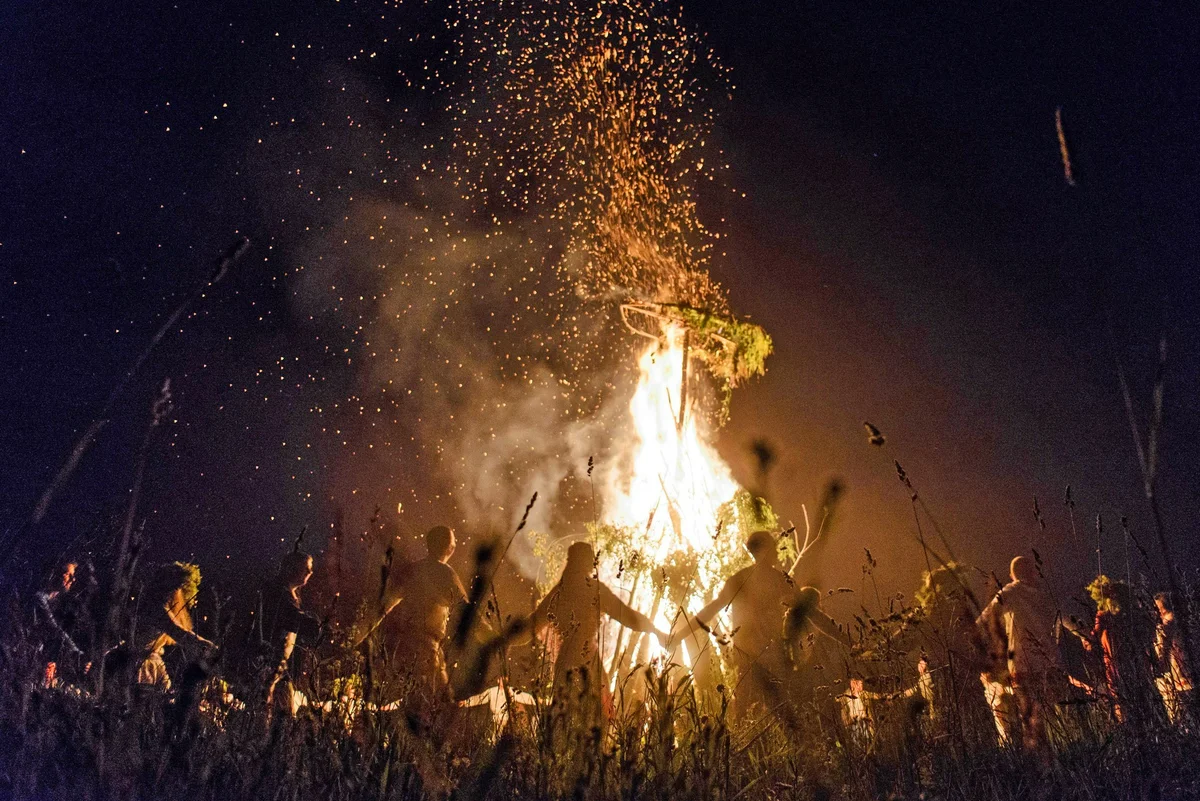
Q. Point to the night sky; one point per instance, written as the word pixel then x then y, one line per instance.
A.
pixel 906 236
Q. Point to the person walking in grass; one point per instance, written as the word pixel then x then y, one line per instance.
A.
pixel 993 672
pixel 941 626
pixel 568 618
pixel 283 623
pixel 772 620
pixel 165 619
pixel 56 609
pixel 1123 635
pixel 415 621
pixel 1025 615
pixel 1174 679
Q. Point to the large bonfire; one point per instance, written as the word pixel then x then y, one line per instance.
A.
pixel 675 516
pixel 590 117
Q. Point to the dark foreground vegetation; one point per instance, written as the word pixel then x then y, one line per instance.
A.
pixel 889 714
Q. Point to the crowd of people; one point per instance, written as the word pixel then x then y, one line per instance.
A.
pixel 1030 666
pixel 1012 664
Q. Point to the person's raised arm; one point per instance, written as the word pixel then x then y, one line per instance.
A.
pixel 42 599
pixel 622 612
pixel 457 590
pixel 538 621
pixel 724 598
pixel 174 617
pixel 988 618
pixel 825 624
pixel 626 615
pixel 362 634
pixel 459 602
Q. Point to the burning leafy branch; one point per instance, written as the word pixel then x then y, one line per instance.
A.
pixel 733 350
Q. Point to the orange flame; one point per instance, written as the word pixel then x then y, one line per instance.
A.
pixel 674 491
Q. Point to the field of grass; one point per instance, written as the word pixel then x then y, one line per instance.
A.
pixel 668 739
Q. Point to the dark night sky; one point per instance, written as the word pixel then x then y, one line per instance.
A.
pixel 907 238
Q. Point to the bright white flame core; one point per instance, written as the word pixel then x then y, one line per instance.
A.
pixel 677 485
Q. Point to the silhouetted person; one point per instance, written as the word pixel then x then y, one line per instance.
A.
pixel 284 622
pixel 571 612
pixel 1124 636
pixel 54 617
pixel 164 618
pixel 1174 673
pixel 1026 616
pixel 857 711
pixel 993 672
pixel 772 619
pixel 415 622
pixel 942 626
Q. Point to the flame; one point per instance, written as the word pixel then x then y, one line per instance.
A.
pixel 673 492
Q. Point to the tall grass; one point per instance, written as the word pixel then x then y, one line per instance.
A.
pixel 667 740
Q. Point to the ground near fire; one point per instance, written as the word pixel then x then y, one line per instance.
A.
pixel 445 460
